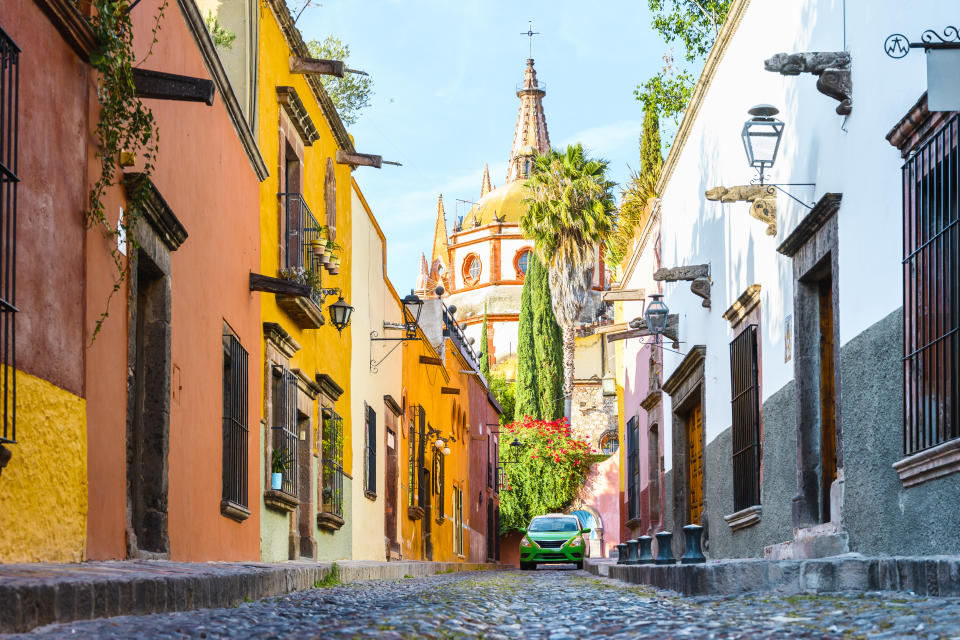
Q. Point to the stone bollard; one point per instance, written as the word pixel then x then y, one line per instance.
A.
pixel 645 556
pixel 664 552
pixel 692 554
pixel 622 553
pixel 631 552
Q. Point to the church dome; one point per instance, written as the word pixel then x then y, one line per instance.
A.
pixel 505 202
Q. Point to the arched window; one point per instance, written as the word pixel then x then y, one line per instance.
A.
pixel 471 269
pixel 521 262
pixel 609 442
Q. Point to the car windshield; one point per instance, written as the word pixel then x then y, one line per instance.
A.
pixel 559 525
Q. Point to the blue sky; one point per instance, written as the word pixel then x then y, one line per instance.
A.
pixel 445 74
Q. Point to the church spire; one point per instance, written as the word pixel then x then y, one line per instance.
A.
pixel 486 187
pixel 440 236
pixel 531 137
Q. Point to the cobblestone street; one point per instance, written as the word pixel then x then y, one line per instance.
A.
pixel 547 604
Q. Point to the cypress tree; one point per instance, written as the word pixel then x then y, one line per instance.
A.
pixel 484 348
pixel 651 156
pixel 547 343
pixel 527 393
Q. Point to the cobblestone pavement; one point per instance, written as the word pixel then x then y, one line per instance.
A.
pixel 546 604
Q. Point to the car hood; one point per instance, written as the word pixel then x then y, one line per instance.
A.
pixel 549 535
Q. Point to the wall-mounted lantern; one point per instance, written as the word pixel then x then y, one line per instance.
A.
pixel 340 313
pixel 761 137
pixel 656 315
pixel 412 306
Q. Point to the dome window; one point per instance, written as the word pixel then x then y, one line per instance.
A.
pixel 522 262
pixel 471 269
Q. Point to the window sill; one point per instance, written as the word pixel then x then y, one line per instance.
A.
pixel 744 518
pixel 280 501
pixel 371 495
pixel 415 513
pixel 234 511
pixel 633 523
pixel 936 462
pixel 329 521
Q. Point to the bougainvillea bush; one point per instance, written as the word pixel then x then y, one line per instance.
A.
pixel 550 469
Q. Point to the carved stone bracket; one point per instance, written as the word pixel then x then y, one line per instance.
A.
pixel 698 274
pixel 762 199
pixel 638 328
pixel 832 69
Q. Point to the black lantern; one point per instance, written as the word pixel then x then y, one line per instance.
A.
pixel 340 313
pixel 515 447
pixel 412 306
pixel 761 137
pixel 656 315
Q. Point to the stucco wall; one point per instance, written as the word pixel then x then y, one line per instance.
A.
pixel 43 489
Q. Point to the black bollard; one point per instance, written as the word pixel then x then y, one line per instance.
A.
pixel 622 553
pixel 631 552
pixel 664 552
pixel 692 554
pixel 645 556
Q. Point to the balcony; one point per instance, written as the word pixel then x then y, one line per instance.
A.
pixel 305 254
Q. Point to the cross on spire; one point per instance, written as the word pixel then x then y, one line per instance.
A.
pixel 530 33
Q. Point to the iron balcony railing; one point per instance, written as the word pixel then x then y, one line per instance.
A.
pixel 9 113
pixel 303 232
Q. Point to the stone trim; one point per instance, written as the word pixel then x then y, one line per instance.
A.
pixel 392 405
pixel 302 310
pixel 825 208
pixel 936 462
pixel 687 367
pixel 651 401
pixel 308 386
pixel 280 501
pixel 72 25
pixel 744 518
pixel 234 511
pixel 156 211
pixel 743 305
pixel 328 387
pixel 279 338
pixel 329 521
pixel 297 112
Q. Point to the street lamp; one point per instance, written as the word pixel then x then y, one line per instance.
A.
pixel 340 313
pixel 656 315
pixel 412 306
pixel 761 137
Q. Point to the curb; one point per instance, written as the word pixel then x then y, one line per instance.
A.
pixel 929 576
pixel 40 594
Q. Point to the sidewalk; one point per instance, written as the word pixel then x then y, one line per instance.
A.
pixel 33 595
pixel 929 576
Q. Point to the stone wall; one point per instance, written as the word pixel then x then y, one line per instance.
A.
pixel 593 413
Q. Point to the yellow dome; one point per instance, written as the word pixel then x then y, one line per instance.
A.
pixel 506 202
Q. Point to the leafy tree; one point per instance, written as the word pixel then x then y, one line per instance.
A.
pixel 550 469
pixel 484 347
pixel 351 93
pixel 528 393
pixel 547 343
pixel 570 212
pixel 222 37
pixel 505 393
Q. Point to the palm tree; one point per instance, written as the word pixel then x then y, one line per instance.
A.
pixel 570 213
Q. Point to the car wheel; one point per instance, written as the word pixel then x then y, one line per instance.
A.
pixel 526 566
pixel 580 565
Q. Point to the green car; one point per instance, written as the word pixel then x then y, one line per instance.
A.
pixel 553 539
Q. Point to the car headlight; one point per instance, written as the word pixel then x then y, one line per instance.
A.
pixel 575 541
pixel 526 542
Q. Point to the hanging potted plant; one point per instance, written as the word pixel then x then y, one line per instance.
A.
pixel 280 462
pixel 331 247
pixel 334 267
pixel 320 242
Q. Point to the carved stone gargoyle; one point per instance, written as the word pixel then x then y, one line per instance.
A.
pixel 762 199
pixel 698 275
pixel 831 67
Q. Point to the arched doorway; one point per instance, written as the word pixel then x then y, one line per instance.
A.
pixel 589 518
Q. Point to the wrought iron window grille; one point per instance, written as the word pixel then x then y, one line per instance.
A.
pixel 745 406
pixel 332 453
pixel 235 415
pixel 284 429
pixel 9 117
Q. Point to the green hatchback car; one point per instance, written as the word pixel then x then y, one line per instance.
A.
pixel 555 538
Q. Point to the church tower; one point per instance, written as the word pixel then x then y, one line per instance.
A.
pixel 531 137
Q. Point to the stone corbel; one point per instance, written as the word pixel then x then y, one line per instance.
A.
pixel 762 199
pixel 832 69
pixel 698 275
pixel 671 331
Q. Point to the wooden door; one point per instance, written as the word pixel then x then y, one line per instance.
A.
pixel 695 464
pixel 390 503
pixel 828 418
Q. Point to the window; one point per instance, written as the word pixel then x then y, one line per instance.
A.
pixel 931 264
pixel 522 262
pixel 370 454
pixel 415 458
pixel 332 452
pixel 745 406
pixel 471 269
pixel 285 441
pixel 9 84
pixel 235 430
pixel 458 520
pixel 438 483
pixel 633 469
pixel 609 442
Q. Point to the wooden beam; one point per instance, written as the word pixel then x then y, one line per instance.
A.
pixel 449 391
pixel 313 65
pixel 431 360
pixel 612 328
pixel 359 159
pixel 267 284
pixel 170 86
pixel 629 333
pixel 624 295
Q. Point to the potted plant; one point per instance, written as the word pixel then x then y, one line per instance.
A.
pixel 334 266
pixel 279 463
pixel 320 241
pixel 331 247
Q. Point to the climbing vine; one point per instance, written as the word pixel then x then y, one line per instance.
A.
pixel 125 125
pixel 549 465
